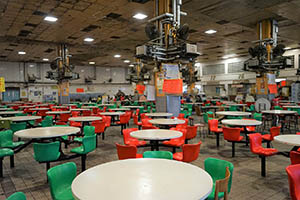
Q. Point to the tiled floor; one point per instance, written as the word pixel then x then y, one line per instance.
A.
pixel 29 176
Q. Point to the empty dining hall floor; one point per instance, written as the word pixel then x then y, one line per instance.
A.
pixel 29 176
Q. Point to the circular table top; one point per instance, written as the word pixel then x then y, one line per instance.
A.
pixel 207 107
pixel 5 109
pixel 70 104
pixel 47 132
pixel 26 106
pixel 44 104
pixel 241 122
pixel 119 109
pixel 286 101
pixel 288 139
pixel 10 112
pixel 84 119
pixel 156 134
pixel 159 114
pixel 106 104
pixel 279 112
pixel 66 107
pixel 167 121
pixel 112 113
pixel 80 109
pixel 145 178
pixel 133 107
pixel 233 113
pixel 57 112
pixel 89 107
pixel 291 106
pixel 13 104
pixel 37 109
pixel 23 118
pixel 237 104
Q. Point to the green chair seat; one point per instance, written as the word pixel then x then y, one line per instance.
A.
pixel 60 179
pixel 6 152
pixel 158 154
pixel 14 145
pixel 17 196
pixel 78 150
pixel 87 131
pixel 46 152
pixel 6 140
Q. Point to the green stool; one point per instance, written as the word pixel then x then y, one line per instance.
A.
pixel 216 168
pixel 87 131
pixel 60 180
pixel 17 196
pixel 158 154
pixel 88 145
pixel 3 153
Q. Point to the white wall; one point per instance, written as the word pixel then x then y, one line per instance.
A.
pixel 13 72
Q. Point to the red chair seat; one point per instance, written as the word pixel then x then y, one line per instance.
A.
pixel 298 133
pixel 238 139
pixel 174 142
pixel 135 142
pixel 178 156
pixel 139 155
pixel 250 128
pixel 267 137
pixel 265 151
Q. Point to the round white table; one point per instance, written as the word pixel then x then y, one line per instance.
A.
pixel 277 114
pixel 143 179
pixel 159 114
pixel 22 118
pixel 133 107
pixel 120 109
pixel 164 123
pixel 89 107
pixel 5 109
pixel 233 113
pixel 293 140
pixel 9 113
pixel 24 107
pixel 47 132
pixel 113 115
pixel 80 109
pixel 296 107
pixel 84 119
pixel 106 104
pixel 39 109
pixel 57 112
pixel 241 122
pixel 155 135
pixel 61 107
pixel 44 104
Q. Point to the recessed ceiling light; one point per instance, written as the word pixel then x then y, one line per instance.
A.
pixel 140 16
pixel 131 65
pixel 21 52
pixel 92 63
pixel 287 48
pixel 45 59
pixel 50 19
pixel 210 31
pixel 88 39
pixel 117 56
pixel 126 61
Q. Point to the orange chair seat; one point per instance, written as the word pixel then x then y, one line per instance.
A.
pixel 238 140
pixel 265 151
pixel 218 130
pixel 174 142
pixel 178 156
pixel 250 128
pixel 135 142
pixel 139 155
pixel 267 137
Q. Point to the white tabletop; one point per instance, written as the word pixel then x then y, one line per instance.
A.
pixel 161 114
pixel 22 118
pixel 291 106
pixel 65 107
pixel 47 132
pixel 112 113
pixel 279 112
pixel 13 104
pixel 237 104
pixel 84 119
pixel 119 109
pixel 26 106
pixel 233 113
pixel 286 101
pixel 134 107
pixel 57 112
pixel 5 109
pixel 80 109
pixel 241 122
pixel 89 107
pixel 156 134
pixel 44 104
pixel 106 104
pixel 10 112
pixel 167 121
pixel 143 179
pixel 38 109
pixel 288 139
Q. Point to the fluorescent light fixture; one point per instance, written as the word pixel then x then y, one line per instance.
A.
pixel 131 65
pixel 126 61
pixel 117 56
pixel 140 16
pixel 210 31
pixel 88 39
pixel 92 63
pixel 229 56
pixel 50 19
pixel 277 80
pixel 287 48
pixel 21 52
pixel 45 59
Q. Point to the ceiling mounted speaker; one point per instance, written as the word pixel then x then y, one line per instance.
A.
pixel 151 31
pixel 183 32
